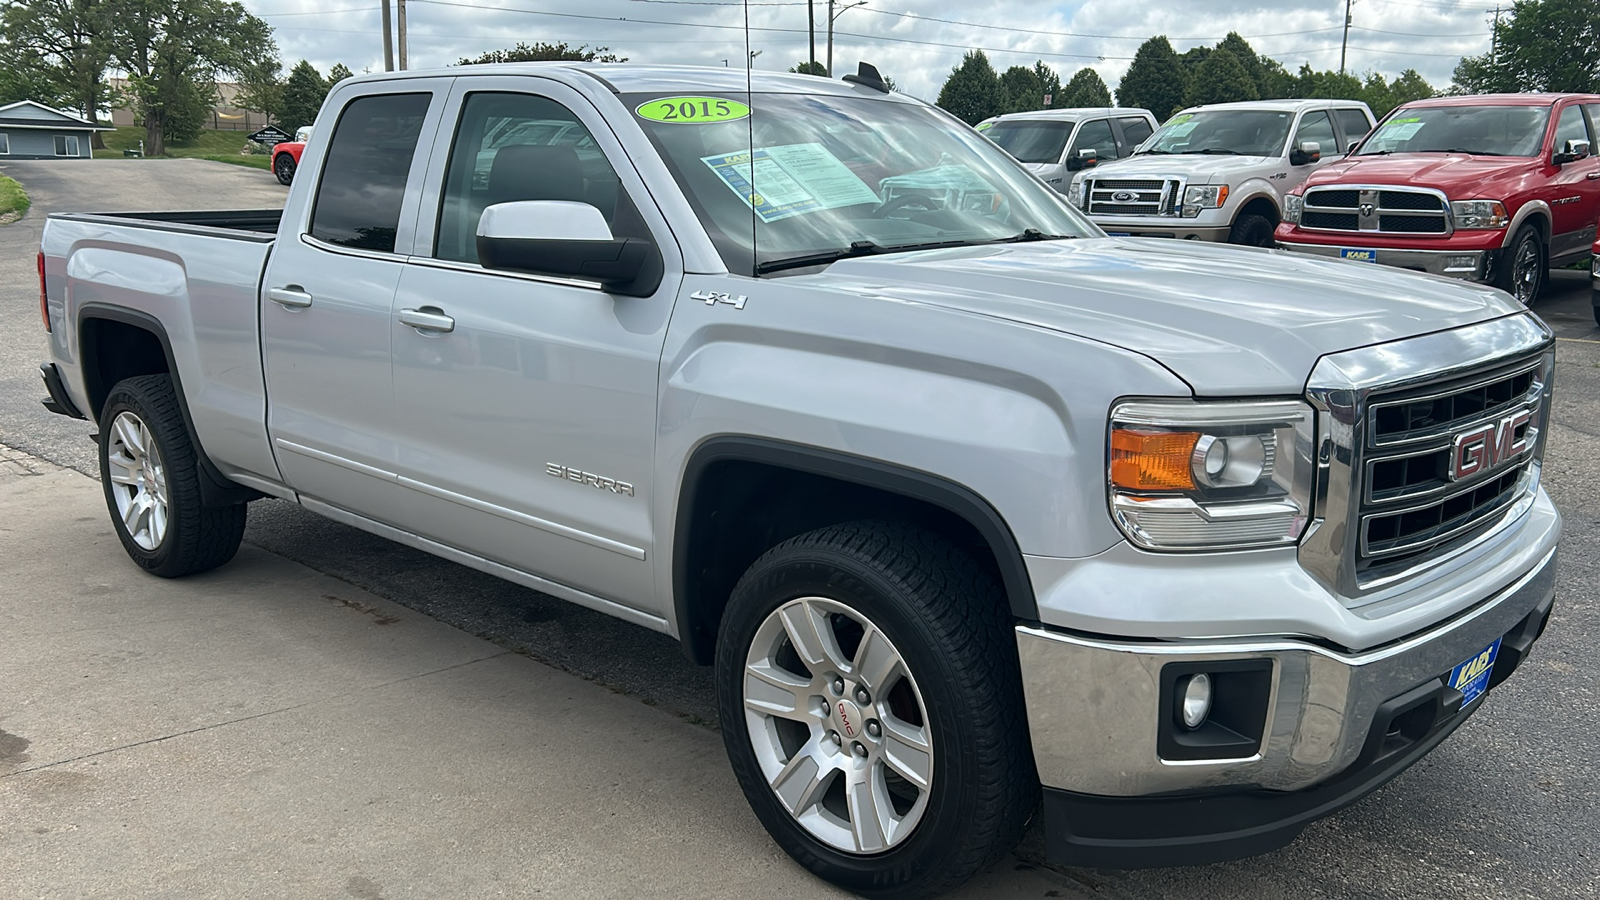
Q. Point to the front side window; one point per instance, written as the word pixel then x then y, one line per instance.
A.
pixel 1096 136
pixel 1478 130
pixel 1314 126
pixel 823 177
pixel 1031 141
pixel 1230 132
pixel 510 147
pixel 363 181
pixel 1570 127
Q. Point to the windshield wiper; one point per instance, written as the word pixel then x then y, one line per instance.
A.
pixel 856 248
pixel 1153 153
pixel 1031 234
pixel 1459 150
pixel 1213 150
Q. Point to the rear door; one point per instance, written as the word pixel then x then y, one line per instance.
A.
pixel 325 309
pixel 532 413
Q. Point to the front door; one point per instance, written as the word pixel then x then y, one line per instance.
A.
pixel 1575 187
pixel 325 309
pixel 531 401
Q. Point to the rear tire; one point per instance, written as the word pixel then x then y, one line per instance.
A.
pixel 1251 230
pixel 932 777
pixel 283 166
pixel 1522 268
pixel 151 477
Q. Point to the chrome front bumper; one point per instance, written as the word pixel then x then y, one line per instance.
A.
pixel 1470 265
pixel 1095 714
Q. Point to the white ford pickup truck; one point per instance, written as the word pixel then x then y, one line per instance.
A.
pixel 976 511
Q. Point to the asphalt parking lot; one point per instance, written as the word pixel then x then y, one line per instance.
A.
pixel 1505 808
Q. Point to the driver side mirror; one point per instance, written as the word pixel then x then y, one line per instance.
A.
pixel 1572 151
pixel 1087 158
pixel 1308 152
pixel 567 240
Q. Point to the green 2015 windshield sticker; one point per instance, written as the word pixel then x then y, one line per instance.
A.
pixel 692 110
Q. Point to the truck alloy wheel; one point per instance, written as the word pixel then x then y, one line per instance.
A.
pixel 150 472
pixel 871 708
pixel 1522 269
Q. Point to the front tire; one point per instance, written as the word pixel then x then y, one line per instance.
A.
pixel 1522 269
pixel 871 705
pixel 283 166
pixel 151 477
pixel 1251 230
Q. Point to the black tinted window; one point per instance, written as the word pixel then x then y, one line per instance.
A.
pixel 1095 135
pixel 1031 141
pixel 1134 131
pixel 364 181
pixel 1354 123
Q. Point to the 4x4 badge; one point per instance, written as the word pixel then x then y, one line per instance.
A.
pixel 712 298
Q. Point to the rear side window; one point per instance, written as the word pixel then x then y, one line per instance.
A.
pixel 364 179
pixel 1354 122
pixel 1135 131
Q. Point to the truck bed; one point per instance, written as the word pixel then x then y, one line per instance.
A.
pixel 242 224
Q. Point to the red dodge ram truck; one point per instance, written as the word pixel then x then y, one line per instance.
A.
pixel 1495 188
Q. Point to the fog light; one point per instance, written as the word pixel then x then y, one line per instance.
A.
pixel 1460 262
pixel 1196 700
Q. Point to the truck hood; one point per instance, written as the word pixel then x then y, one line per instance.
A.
pixel 1227 320
pixel 1457 174
pixel 1197 168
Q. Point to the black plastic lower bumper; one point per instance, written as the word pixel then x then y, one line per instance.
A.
pixel 1201 828
pixel 58 401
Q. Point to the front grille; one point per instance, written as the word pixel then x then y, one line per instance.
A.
pixel 1376 210
pixel 1411 508
pixel 1135 197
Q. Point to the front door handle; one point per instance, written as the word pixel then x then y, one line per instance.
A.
pixel 290 297
pixel 428 318
pixel 1593 176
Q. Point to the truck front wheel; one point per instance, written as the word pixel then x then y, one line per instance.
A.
pixel 1522 268
pixel 872 708
pixel 1251 230
pixel 151 477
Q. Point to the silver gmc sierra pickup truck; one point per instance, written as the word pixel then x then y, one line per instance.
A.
pixel 979 514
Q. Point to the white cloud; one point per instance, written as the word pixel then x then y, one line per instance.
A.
pixel 904 38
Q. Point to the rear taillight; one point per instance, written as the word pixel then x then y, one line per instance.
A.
pixel 44 296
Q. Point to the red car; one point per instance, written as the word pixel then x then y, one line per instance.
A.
pixel 1496 188
pixel 286 156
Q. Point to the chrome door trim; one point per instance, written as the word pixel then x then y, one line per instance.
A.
pixel 566 531
pixel 476 269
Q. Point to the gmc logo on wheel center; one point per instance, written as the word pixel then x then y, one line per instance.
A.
pixel 1486 447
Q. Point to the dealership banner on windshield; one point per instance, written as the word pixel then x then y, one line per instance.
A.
pixel 779 182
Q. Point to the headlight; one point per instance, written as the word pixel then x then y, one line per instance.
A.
pixel 1076 192
pixel 1205 196
pixel 1594 266
pixel 1211 476
pixel 1291 208
pixel 1479 213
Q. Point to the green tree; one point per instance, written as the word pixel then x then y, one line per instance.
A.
pixel 261 88
pixel 542 52
pixel 1545 45
pixel 56 52
pixel 972 92
pixel 1086 88
pixel 1022 90
pixel 1155 80
pixel 303 93
pixel 1050 81
pixel 1248 58
pixel 1406 88
pixel 1221 79
pixel 338 73
pixel 809 68
pixel 173 52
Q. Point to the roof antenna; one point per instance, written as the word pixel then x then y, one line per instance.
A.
pixel 867 76
pixel 750 130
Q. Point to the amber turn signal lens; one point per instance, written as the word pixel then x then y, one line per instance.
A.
pixel 1152 460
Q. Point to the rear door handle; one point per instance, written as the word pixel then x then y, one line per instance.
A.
pixel 289 297
pixel 428 318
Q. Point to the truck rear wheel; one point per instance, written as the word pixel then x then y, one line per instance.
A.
pixel 151 478
pixel 1522 268
pixel 871 706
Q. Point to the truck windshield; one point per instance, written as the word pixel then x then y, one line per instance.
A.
pixel 1480 130
pixel 1240 132
pixel 808 179
pixel 1031 142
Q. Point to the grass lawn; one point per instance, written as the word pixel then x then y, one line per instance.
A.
pixel 222 146
pixel 14 200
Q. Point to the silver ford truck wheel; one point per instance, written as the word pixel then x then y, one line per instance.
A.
pixel 871 706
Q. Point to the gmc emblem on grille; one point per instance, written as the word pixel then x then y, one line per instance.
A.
pixel 1124 196
pixel 1485 448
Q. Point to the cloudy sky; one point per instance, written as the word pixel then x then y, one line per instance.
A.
pixel 916 42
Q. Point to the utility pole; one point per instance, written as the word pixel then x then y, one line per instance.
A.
pixel 400 31
pixel 842 9
pixel 1342 47
pixel 811 29
pixel 388 39
pixel 1494 38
